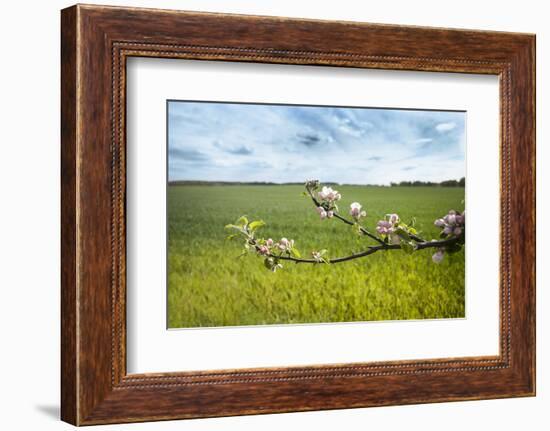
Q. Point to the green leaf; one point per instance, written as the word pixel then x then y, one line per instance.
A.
pixel 305 194
pixel 271 263
pixel 232 226
pixel 402 233
pixel 255 225
pixel 408 246
pixel 295 253
pixel 243 221
pixel 230 237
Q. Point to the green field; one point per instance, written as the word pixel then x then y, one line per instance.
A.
pixel 208 285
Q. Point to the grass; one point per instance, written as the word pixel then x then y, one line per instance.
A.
pixel 208 285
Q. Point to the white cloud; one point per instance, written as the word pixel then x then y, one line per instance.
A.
pixel 281 143
pixel 445 127
pixel 422 141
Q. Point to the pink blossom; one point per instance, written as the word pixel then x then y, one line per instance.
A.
pixel 450 218
pixel 285 244
pixel 269 242
pixel 388 227
pixel 329 195
pixel 393 218
pixel 384 227
pixel 355 211
pixel 330 214
pixel 322 213
pixel 438 255
pixel 439 222
pixel 453 223
pixel 263 250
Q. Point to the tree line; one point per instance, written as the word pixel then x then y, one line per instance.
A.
pixel 447 183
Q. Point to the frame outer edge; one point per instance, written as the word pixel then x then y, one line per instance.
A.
pixel 532 101
pixel 523 216
pixel 87 396
pixel 69 201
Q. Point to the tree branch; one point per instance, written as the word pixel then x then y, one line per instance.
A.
pixel 371 250
pixel 345 220
pixel 284 249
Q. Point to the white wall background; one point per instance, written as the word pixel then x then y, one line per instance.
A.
pixel 29 215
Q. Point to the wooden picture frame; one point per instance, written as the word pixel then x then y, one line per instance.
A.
pixel 95 43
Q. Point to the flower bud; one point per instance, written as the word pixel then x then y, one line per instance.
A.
pixel 438 256
pixel 355 210
pixel 263 250
pixel 439 222
pixel 393 218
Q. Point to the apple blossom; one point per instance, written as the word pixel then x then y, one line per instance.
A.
pixel 438 255
pixel 329 195
pixel 453 223
pixel 285 244
pixel 322 213
pixel 272 264
pixel 388 228
pixel 393 218
pixel 263 250
pixel 312 184
pixel 384 227
pixel 355 211
pixel 317 256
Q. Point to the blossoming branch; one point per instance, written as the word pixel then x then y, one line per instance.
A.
pixel 391 233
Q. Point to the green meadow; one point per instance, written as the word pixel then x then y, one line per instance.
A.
pixel 210 285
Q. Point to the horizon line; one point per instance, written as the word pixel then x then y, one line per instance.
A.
pixel 174 182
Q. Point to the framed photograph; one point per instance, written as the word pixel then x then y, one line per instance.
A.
pixel 264 214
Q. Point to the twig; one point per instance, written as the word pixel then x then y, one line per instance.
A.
pixel 371 250
pixel 345 220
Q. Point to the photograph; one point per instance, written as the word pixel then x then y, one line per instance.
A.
pixel 303 214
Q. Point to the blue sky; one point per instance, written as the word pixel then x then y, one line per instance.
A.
pixel 281 143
